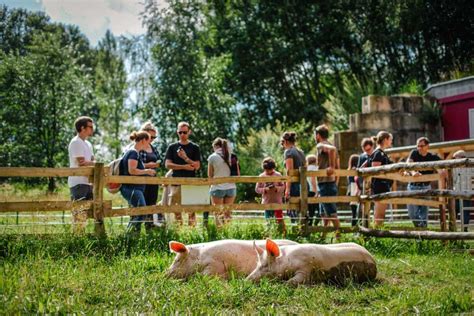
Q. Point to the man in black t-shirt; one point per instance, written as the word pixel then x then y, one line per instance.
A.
pixel 184 158
pixel 419 213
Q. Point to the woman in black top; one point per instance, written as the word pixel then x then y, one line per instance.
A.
pixel 151 159
pixel 380 158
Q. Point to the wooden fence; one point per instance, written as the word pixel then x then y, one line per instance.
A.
pixel 442 198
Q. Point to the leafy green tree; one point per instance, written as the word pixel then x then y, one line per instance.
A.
pixel 41 94
pixel 187 85
pixel 111 93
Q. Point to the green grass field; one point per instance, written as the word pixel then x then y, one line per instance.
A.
pixel 46 269
pixel 61 273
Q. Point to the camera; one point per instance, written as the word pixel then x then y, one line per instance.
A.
pixel 179 149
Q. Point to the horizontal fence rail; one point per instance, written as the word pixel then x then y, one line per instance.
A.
pixel 100 208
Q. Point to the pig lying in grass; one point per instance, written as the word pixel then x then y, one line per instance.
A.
pixel 312 263
pixel 218 258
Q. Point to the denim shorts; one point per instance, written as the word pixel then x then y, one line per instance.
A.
pixel 327 189
pixel 224 193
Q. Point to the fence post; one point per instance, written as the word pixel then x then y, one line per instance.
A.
pixel 442 207
pixel 303 199
pixel 98 205
pixel 366 208
pixel 451 203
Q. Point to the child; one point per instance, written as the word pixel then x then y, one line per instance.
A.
pixel 272 192
pixel 313 208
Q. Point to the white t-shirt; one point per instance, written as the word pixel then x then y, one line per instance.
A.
pixel 221 169
pixel 312 168
pixel 78 148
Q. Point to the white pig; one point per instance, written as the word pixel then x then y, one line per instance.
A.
pixel 311 263
pixel 216 258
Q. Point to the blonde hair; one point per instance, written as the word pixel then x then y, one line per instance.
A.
pixel 459 154
pixel 148 127
pixel 181 124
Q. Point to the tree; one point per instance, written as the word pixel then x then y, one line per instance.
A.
pixel 187 85
pixel 110 89
pixel 41 94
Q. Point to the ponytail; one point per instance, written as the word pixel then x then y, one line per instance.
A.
pixel 224 145
pixel 138 136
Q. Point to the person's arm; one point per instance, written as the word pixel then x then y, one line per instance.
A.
pixel 260 187
pixel 332 161
pixel 210 171
pixel 132 169
pixel 82 162
pixel 289 166
pixel 412 173
pixel 196 163
pixel 169 164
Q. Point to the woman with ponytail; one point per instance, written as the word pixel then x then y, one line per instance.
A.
pixel 219 166
pixel 132 165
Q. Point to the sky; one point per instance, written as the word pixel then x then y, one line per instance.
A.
pixel 93 17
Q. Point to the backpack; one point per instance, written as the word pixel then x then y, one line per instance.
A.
pixel 114 170
pixel 234 165
pixel 369 164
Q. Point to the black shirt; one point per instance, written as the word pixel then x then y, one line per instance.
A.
pixel 379 156
pixel 416 157
pixel 131 154
pixel 193 153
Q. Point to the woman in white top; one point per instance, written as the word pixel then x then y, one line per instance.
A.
pixel 218 167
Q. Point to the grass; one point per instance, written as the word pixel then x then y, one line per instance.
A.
pixel 62 273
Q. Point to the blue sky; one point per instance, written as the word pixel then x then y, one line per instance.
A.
pixel 93 17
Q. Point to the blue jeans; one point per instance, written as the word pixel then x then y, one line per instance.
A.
pixel 327 189
pixel 294 191
pixel 135 198
pixel 418 213
pixel 466 213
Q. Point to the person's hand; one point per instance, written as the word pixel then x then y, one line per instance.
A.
pixel 406 173
pixel 416 174
pixel 189 167
pixel 182 154
pixel 330 171
pixel 266 189
pixel 150 172
pixel 287 193
pixel 152 165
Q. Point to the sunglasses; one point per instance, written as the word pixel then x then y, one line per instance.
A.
pixel 421 145
pixel 90 126
pixel 153 137
pixel 182 132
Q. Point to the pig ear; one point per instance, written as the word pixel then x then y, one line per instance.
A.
pixel 257 249
pixel 272 248
pixel 177 247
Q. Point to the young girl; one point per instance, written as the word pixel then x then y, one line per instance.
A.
pixel 272 192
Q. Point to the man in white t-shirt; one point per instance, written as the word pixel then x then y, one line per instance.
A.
pixel 81 155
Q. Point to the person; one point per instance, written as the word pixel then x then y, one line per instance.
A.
pixel 184 158
pixel 219 166
pixel 462 182
pixel 379 186
pixel 367 145
pixel 294 159
pixel 151 159
pixel 419 213
pixel 81 154
pixel 327 160
pixel 352 188
pixel 272 192
pixel 313 208
pixel 132 165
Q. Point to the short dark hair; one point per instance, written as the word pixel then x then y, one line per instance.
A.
pixel 82 122
pixel 322 130
pixel 367 141
pixel 424 139
pixel 268 163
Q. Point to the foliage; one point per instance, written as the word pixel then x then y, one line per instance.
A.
pixel 44 91
pixel 110 86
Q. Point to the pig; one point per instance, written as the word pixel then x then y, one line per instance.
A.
pixel 218 258
pixel 312 263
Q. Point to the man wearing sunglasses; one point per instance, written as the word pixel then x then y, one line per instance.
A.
pixel 419 213
pixel 81 155
pixel 184 158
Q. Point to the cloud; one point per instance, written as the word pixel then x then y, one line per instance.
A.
pixel 94 17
